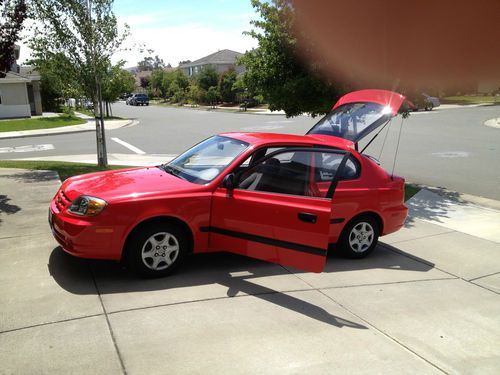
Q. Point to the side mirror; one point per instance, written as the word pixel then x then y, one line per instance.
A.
pixel 228 181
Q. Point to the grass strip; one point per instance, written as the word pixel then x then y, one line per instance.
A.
pixel 39 123
pixel 471 99
pixel 64 169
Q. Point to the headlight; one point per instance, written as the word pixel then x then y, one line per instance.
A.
pixel 87 206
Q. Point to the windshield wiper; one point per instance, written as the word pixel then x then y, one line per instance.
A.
pixel 172 170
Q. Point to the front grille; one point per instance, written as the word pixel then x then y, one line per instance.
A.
pixel 62 201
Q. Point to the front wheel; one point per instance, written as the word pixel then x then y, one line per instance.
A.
pixel 359 237
pixel 156 250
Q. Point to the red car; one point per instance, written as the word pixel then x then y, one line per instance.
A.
pixel 281 198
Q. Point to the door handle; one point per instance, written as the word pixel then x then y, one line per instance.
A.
pixel 307 217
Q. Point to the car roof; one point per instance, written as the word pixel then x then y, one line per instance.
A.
pixel 261 139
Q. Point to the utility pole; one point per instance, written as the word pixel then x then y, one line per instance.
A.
pixel 102 156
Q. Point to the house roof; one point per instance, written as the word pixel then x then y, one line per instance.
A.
pixel 224 56
pixel 11 77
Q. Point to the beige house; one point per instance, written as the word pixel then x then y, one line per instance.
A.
pixel 20 92
pixel 221 60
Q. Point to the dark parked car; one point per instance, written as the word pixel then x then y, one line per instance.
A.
pixel 423 101
pixel 138 99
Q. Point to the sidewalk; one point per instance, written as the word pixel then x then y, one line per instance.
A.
pixel 426 301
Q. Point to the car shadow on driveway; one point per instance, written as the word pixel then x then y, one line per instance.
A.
pixel 237 275
pixel 33 176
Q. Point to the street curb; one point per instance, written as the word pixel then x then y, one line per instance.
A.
pixel 223 110
pixel 47 132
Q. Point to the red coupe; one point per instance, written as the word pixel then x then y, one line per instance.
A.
pixel 280 198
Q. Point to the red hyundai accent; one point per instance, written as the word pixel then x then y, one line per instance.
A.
pixel 280 198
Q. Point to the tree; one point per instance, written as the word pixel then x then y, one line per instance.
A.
pixel 145 82
pixel 55 83
pixel 195 95
pixel 226 83
pixel 212 96
pixel 150 63
pixel 145 65
pixel 86 34
pixel 207 77
pixel 158 84
pixel 12 15
pixel 274 69
pixel 118 81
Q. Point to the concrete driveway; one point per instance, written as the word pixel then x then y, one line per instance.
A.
pixel 426 301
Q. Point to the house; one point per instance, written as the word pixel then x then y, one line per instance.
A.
pixel 221 60
pixel 20 91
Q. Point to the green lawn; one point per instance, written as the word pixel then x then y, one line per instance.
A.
pixel 471 99
pixel 410 191
pixel 39 123
pixel 66 169
pixel 91 114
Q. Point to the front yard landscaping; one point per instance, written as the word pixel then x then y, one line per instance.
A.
pixel 39 123
pixel 471 99
pixel 64 169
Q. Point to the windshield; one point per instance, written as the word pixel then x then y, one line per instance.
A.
pixel 352 121
pixel 205 161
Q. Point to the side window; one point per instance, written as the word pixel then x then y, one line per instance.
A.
pixel 295 172
pixel 327 166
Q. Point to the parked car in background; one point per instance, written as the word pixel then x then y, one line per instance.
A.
pixel 138 99
pixel 430 102
pixel 281 198
pixel 423 101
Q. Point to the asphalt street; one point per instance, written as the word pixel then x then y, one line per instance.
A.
pixel 448 148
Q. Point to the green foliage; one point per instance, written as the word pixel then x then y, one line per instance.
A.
pixel 207 78
pixel 274 70
pixel 12 15
pixel 117 82
pixel 195 94
pixel 150 63
pixel 226 86
pixel 76 39
pixel 212 95
pixel 57 83
pixel 171 85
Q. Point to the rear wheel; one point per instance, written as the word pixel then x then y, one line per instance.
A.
pixel 156 250
pixel 359 237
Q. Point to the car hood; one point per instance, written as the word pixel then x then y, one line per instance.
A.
pixel 126 184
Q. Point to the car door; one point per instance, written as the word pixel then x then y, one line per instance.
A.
pixel 274 212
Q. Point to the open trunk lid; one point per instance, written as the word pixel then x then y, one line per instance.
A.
pixel 357 114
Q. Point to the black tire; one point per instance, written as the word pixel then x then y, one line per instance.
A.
pixel 359 237
pixel 145 260
pixel 429 106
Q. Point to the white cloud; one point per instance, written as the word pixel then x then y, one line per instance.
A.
pixel 184 42
pixel 188 41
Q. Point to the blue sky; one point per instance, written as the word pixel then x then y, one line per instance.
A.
pixel 182 30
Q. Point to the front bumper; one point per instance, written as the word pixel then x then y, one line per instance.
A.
pixel 82 237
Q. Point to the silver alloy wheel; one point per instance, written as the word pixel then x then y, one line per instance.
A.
pixel 361 237
pixel 160 251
